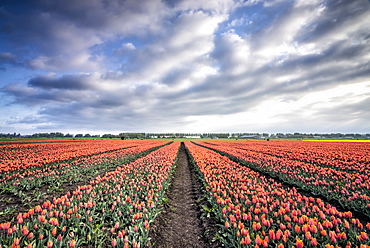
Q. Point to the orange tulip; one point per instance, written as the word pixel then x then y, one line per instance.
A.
pixel 248 239
pixel 16 241
pixel 72 243
pixel 25 231
pixel 49 244
pixel 54 231
pixel 227 224
pixel 258 240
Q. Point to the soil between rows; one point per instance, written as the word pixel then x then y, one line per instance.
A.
pixel 180 223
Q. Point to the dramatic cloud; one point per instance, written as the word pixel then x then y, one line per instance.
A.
pixel 197 66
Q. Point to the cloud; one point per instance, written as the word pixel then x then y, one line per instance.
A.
pixel 128 65
pixel 213 7
pixel 125 49
pixel 7 58
pixel 58 35
pixel 107 17
pixel 64 82
pixel 182 50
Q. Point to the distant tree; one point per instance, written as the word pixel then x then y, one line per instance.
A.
pixel 110 136
pixel 79 135
pixel 55 135
pixel 132 135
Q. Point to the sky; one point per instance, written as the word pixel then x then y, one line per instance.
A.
pixel 99 66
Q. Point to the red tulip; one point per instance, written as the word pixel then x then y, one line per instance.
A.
pixel 314 242
pixel 272 234
pixel 342 236
pixel 313 229
pixel 363 236
pixel 308 235
pixel 20 220
pixel 299 243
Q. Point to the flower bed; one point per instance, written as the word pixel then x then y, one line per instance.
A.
pixel 256 211
pixel 350 189
pixel 113 210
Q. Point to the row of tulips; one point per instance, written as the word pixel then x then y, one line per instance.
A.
pixel 31 141
pixel 113 210
pixel 16 157
pixel 52 172
pixel 260 212
pixel 53 178
pixel 345 156
pixel 351 190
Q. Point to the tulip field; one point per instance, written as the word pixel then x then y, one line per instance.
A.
pixel 113 209
pixel 108 193
pixel 259 210
pixel 337 171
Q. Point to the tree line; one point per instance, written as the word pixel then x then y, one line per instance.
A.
pixel 132 135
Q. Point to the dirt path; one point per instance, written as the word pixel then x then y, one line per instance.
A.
pixel 180 224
